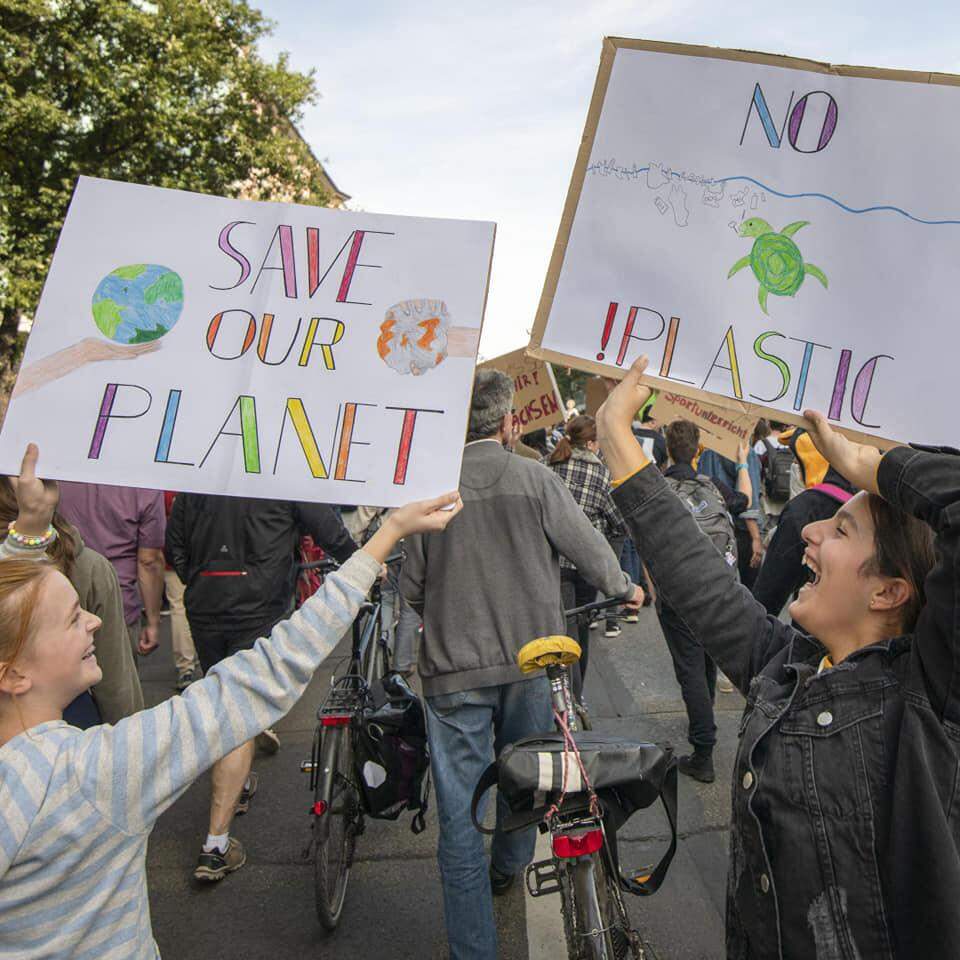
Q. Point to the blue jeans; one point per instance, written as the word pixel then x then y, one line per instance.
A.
pixel 401 621
pixel 467 730
pixel 630 561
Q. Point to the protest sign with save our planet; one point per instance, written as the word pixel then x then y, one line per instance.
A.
pixel 190 342
pixel 775 233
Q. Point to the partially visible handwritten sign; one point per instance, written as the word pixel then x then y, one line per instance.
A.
pixel 190 342
pixel 721 428
pixel 536 399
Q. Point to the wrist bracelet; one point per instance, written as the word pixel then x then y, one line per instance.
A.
pixel 32 543
pixel 741 466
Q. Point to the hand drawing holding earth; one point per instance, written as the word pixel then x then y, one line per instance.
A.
pixel 138 303
pixel 417 335
pixel 133 306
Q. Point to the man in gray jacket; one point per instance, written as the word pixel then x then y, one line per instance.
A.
pixel 486 587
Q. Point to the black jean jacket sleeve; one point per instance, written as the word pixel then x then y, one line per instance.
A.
pixel 926 483
pixel 695 581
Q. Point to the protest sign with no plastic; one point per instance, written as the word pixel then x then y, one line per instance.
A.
pixel 782 233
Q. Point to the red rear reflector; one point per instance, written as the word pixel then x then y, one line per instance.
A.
pixel 567 846
pixel 319 808
pixel 335 719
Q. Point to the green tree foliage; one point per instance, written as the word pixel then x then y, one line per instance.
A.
pixel 171 94
pixel 572 384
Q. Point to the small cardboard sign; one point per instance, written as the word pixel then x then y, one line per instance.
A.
pixel 721 428
pixel 536 399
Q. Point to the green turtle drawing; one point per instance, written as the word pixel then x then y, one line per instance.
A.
pixel 775 259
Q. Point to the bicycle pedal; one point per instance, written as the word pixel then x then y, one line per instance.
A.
pixel 541 878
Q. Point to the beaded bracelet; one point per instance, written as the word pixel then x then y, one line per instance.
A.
pixel 32 543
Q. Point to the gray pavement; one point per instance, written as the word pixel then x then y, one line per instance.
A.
pixel 394 906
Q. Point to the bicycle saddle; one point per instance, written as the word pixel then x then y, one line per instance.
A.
pixel 547 651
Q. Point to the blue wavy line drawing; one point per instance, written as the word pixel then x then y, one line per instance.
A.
pixel 632 172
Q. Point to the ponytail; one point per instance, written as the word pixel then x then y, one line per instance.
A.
pixel 562 452
pixel 579 431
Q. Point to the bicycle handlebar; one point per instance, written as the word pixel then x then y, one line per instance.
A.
pixel 328 564
pixel 597 605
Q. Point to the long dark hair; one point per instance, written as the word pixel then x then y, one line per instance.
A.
pixel 903 547
pixel 578 432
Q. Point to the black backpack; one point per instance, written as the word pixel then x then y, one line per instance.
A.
pixel 702 498
pixel 392 759
pixel 776 479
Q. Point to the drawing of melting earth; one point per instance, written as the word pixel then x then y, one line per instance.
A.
pixel 413 336
pixel 775 259
pixel 138 303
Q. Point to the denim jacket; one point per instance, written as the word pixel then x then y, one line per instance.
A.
pixel 845 833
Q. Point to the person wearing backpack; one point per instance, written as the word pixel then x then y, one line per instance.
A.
pixel 777 460
pixel 713 504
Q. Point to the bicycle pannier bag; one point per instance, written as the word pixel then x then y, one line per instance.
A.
pixel 627 775
pixel 392 757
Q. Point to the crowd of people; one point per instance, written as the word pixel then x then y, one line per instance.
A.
pixel 817 574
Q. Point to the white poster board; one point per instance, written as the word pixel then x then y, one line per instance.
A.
pixel 536 398
pixel 190 342
pixel 784 234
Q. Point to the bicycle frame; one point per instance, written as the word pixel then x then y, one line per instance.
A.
pixel 577 839
pixel 343 705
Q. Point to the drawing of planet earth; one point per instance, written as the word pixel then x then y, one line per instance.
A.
pixel 138 303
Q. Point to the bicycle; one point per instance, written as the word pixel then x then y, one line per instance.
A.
pixel 337 813
pixel 582 819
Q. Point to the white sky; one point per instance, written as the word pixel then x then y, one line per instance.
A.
pixel 477 112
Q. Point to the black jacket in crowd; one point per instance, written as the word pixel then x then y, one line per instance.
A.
pixel 236 555
pixel 782 572
pixel 845 832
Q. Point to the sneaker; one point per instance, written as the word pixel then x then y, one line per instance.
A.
pixel 215 865
pixel 630 618
pixel 594 624
pixel 698 765
pixel 185 678
pixel 247 794
pixel 723 683
pixel 268 741
pixel 500 883
pixel 612 631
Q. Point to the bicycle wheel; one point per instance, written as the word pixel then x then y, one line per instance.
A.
pixel 621 943
pixel 568 909
pixel 336 838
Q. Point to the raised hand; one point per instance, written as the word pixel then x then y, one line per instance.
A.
pixel 426 516
pixel 36 498
pixel 856 461
pixel 421 516
pixel 625 399
pixel 622 453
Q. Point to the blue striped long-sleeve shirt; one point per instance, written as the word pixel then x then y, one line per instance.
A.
pixel 77 807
